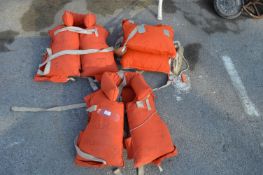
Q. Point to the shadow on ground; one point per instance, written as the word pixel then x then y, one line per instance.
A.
pixel 41 14
pixel 202 15
pixel 100 7
pixel 7 37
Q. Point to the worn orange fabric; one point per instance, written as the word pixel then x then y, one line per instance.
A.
pixel 63 66
pixel 149 49
pixel 146 61
pixel 96 63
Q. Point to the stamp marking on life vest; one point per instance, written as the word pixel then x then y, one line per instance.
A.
pixel 247 104
pixel 107 113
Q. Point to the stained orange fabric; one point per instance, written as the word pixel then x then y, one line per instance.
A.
pixel 145 61
pixel 103 135
pixel 97 63
pixel 64 66
pixel 150 140
pixel 149 50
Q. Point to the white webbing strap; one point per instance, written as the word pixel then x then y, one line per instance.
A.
pixel 148 104
pixel 53 109
pixel 139 28
pixel 48 65
pixel 75 52
pixel 77 30
pixel 140 170
pixel 140 103
pixel 160 168
pixel 47 62
pixel 92 84
pixel 87 156
pixel 49 51
pixel 92 108
pixel 121 73
pixel 117 171
pixel 122 84
pixel 166 32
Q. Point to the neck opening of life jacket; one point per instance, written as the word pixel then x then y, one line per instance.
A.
pixel 101 142
pixel 151 48
pixel 78 48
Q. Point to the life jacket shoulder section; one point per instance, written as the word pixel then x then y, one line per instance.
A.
pixel 80 20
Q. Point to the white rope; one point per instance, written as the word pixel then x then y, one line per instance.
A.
pixel 147 101
pixel 146 120
pixel 173 63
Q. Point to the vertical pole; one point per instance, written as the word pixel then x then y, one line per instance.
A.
pixel 160 10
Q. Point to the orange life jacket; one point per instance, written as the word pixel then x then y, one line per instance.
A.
pixel 101 143
pixel 147 47
pixel 103 137
pixel 77 48
pixel 149 140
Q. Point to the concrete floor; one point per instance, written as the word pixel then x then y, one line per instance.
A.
pixel 209 125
